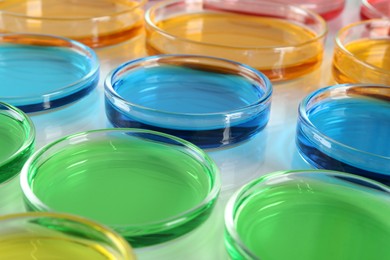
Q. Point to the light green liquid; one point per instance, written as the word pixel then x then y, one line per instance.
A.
pixel 311 221
pixel 12 137
pixel 123 182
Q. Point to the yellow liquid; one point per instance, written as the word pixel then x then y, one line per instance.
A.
pixel 219 34
pixel 41 247
pixel 374 53
pixel 117 20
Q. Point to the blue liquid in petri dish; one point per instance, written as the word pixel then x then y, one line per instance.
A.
pixel 195 104
pixel 360 123
pixel 36 78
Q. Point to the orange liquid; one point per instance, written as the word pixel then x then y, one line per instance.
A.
pixel 243 38
pixel 96 23
pixel 375 65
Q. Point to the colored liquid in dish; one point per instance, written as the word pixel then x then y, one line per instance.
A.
pixel 244 38
pixel 369 62
pixel 127 184
pixel 176 90
pixel 313 220
pixel 94 23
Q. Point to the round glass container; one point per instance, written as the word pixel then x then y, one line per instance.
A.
pixel 40 72
pixel 371 9
pixel 309 214
pixel 208 101
pixel 17 136
pixel 282 41
pixel 148 186
pixel 362 53
pixel 346 128
pixel 39 236
pixel 96 23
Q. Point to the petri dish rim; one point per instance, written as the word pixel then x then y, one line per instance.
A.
pixel 27 143
pixel 109 89
pixel 369 6
pixel 342 46
pixel 94 61
pixel 317 17
pixel 305 119
pixel 141 3
pixel 215 182
pixel 124 247
pixel 231 204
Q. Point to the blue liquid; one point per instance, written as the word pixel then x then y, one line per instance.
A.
pixel 28 73
pixel 179 90
pixel 360 123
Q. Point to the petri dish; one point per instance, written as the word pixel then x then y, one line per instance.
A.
pixel 373 9
pixel 312 214
pixel 39 236
pixel 95 23
pixel 147 186
pixel 207 101
pixel 362 53
pixel 17 138
pixel 41 72
pixel 346 128
pixel 282 41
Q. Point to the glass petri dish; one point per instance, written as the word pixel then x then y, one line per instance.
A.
pixel 148 186
pixel 282 41
pixel 17 138
pixel 207 101
pixel 40 72
pixel 372 9
pixel 312 214
pixel 95 23
pixel 39 236
pixel 346 128
pixel 362 53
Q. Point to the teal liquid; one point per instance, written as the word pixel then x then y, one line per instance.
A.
pixel 12 137
pixel 123 183
pixel 307 220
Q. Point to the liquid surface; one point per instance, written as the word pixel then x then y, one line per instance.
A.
pixel 114 20
pixel 310 220
pixel 12 137
pixel 121 182
pixel 41 247
pixel 376 53
pixel 244 31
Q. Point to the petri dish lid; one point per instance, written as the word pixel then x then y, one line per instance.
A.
pixel 40 72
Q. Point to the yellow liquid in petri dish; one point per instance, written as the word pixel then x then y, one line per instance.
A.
pixel 96 23
pixel 369 62
pixel 253 40
pixel 41 247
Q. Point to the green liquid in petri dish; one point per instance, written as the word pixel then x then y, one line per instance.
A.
pixel 44 247
pixel 12 137
pixel 310 220
pixel 125 183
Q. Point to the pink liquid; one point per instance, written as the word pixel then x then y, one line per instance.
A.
pixel 375 9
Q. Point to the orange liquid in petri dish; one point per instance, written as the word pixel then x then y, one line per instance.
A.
pixel 369 62
pixel 96 23
pixel 257 41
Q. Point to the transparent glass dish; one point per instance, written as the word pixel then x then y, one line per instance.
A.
pixel 346 128
pixel 362 53
pixel 41 72
pixel 208 101
pixel 147 186
pixel 282 41
pixel 306 215
pixel 373 9
pixel 95 23
pixel 17 139
pixel 39 236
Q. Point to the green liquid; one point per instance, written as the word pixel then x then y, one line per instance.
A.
pixel 124 182
pixel 12 137
pixel 308 220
